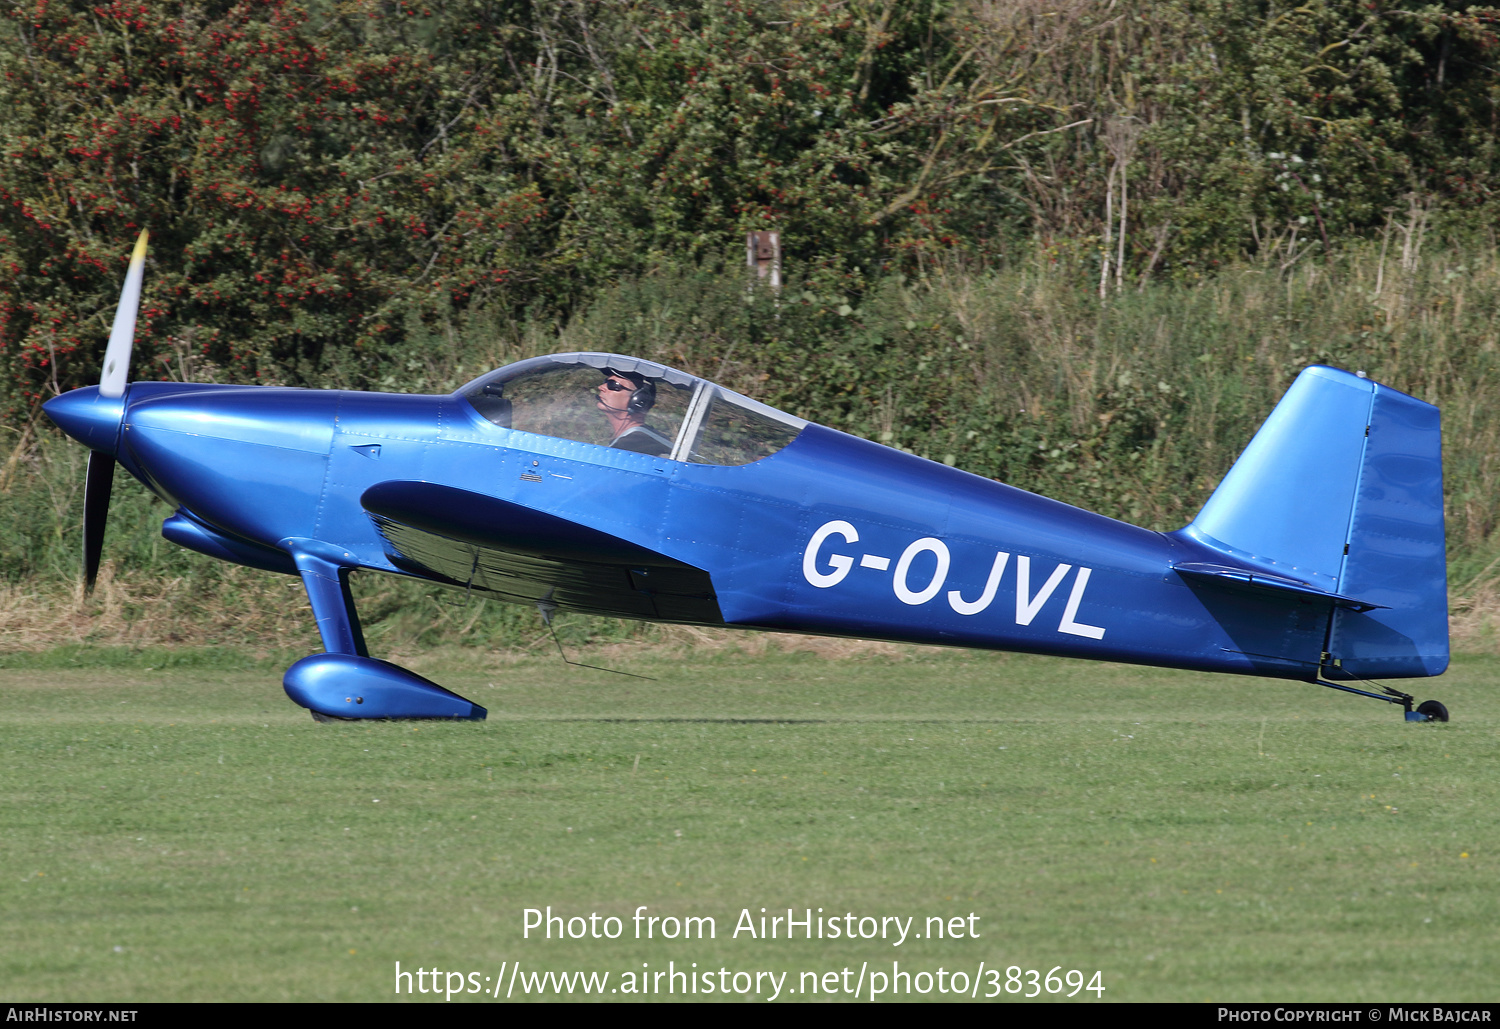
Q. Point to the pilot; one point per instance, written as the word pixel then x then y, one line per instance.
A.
pixel 626 398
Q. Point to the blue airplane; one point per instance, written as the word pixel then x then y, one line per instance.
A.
pixel 611 485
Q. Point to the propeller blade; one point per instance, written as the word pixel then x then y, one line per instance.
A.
pixel 122 336
pixel 100 480
pixel 96 490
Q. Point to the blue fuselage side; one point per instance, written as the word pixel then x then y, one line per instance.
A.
pixel 831 535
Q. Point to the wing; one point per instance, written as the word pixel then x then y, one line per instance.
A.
pixel 474 541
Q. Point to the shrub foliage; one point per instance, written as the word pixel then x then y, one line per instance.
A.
pixel 329 183
pixel 1077 246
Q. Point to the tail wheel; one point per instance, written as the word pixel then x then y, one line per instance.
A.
pixel 1434 710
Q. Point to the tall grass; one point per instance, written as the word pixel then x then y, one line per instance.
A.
pixel 1133 405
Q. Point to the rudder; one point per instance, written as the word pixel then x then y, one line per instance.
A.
pixel 1397 551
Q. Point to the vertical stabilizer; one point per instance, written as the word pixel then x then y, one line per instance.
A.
pixel 1342 489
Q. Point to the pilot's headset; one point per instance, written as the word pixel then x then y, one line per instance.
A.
pixel 642 400
pixel 644 397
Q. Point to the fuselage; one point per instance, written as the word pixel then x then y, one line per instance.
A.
pixel 832 534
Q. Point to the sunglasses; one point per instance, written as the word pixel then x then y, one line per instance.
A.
pixel 615 387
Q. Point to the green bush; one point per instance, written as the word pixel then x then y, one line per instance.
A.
pixel 332 187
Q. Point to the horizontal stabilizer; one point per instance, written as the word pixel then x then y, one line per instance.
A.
pixel 1226 577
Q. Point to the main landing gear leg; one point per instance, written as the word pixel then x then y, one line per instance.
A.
pixel 346 683
pixel 1427 711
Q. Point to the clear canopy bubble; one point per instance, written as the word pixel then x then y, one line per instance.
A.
pixel 673 415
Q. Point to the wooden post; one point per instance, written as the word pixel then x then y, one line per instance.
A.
pixel 763 254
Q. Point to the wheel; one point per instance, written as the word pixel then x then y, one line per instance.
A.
pixel 1433 710
pixel 334 718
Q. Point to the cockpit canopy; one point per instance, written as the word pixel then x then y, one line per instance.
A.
pixel 685 418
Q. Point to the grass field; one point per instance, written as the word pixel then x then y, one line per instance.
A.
pixel 185 833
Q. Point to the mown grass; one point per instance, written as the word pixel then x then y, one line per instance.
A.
pixel 187 834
